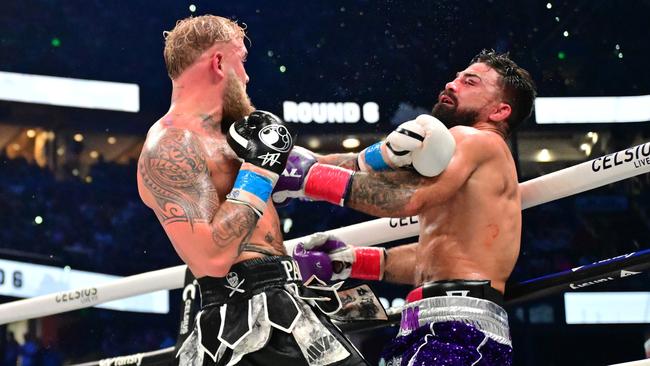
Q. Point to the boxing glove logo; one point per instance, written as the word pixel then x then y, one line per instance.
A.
pixel 276 137
pixel 270 159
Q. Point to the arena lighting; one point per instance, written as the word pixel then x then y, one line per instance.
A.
pixel 593 136
pixel 607 307
pixel 351 143
pixel 592 109
pixel 111 140
pixel 80 93
pixel 78 137
pixel 313 143
pixel 31 133
pixel 544 156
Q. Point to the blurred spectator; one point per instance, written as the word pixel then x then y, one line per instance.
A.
pixel 30 351
pixel 11 351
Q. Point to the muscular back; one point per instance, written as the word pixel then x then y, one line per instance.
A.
pixel 185 171
pixel 475 232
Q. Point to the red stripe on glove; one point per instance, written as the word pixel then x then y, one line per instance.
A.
pixel 368 263
pixel 328 183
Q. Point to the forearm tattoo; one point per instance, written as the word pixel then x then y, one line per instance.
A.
pixel 348 161
pixel 233 223
pixel 176 173
pixel 383 194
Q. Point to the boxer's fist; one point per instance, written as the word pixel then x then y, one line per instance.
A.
pixel 263 142
pixel 292 180
pixel 437 149
pixel 261 139
pixel 328 258
pixel 424 143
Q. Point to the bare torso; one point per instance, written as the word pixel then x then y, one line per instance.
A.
pixel 475 234
pixel 221 170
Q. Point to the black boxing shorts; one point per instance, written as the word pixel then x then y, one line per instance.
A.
pixel 260 313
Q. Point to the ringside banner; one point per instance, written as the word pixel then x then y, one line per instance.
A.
pixel 26 280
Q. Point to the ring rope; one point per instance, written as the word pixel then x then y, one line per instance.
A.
pixel 576 179
pixel 579 277
pixel 573 279
pixel 161 357
pixel 39 306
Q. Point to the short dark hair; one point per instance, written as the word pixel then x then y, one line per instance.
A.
pixel 519 89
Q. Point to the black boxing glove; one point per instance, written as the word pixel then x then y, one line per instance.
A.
pixel 263 142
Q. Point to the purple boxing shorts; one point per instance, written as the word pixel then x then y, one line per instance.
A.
pixel 451 331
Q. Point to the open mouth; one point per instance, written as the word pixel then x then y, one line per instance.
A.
pixel 446 100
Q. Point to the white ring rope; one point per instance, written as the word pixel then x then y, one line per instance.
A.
pixel 36 307
pixel 576 179
pixel 634 363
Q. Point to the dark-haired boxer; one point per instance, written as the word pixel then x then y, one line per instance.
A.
pixel 216 210
pixel 469 214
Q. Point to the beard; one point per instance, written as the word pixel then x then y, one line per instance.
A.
pixel 451 116
pixel 236 103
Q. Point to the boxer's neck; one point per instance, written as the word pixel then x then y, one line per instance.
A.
pixel 491 127
pixel 194 93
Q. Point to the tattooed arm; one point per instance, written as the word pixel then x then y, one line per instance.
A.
pixel 348 160
pixel 406 193
pixel 174 181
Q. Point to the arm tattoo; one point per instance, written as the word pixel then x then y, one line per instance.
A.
pixel 233 223
pixel 348 161
pixel 176 173
pixel 383 194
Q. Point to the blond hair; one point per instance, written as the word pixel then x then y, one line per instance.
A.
pixel 193 36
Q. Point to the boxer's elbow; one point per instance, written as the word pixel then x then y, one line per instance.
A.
pixel 413 206
pixel 218 265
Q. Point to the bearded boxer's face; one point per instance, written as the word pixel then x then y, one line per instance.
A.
pixel 236 103
pixel 468 98
pixel 449 113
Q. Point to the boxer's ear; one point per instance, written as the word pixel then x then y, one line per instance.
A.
pixel 501 112
pixel 216 64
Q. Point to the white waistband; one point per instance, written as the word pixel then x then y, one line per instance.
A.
pixel 484 315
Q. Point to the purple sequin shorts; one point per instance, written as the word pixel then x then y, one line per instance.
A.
pixel 451 330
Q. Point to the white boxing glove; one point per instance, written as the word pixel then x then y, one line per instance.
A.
pixel 395 151
pixel 424 143
pixel 437 147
